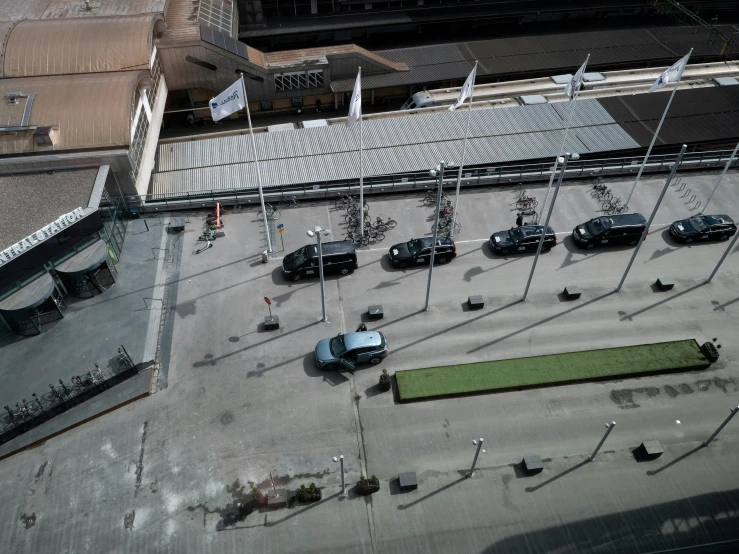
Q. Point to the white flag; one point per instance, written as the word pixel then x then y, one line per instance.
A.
pixel 466 91
pixel 229 101
pixel 355 106
pixel 574 85
pixel 671 75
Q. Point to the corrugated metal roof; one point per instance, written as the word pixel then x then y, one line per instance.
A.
pixel 391 146
pixel 75 8
pixel 67 46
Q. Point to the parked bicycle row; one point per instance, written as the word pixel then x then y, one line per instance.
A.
pixel 26 410
pixel 446 213
pixel 374 230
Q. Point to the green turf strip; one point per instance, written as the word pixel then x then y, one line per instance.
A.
pixel 627 361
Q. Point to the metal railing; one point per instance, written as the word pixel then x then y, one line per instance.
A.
pixel 471 177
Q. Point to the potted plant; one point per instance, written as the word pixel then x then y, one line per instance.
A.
pixel 258 496
pixel 311 493
pixel 366 486
pixel 385 381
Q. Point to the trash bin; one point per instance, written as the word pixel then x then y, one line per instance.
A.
pixel 265 256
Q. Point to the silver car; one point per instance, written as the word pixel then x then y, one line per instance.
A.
pixel 348 350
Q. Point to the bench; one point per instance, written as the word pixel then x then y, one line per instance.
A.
pixel 665 283
pixel 572 292
pixel 408 481
pixel 476 302
pixel 532 463
pixel 651 449
pixel 271 322
pixel 375 311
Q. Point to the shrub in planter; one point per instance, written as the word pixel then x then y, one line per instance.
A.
pixel 311 493
pixel 366 486
pixel 385 380
pixel 258 496
pixel 710 351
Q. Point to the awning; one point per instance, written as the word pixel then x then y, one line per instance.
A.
pixel 84 261
pixel 30 296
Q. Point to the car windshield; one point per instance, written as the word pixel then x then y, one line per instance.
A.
pixel 595 226
pixel 301 256
pixel 338 348
pixel 414 247
pixel 516 234
pixel 697 223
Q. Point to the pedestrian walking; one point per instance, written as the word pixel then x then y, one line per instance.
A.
pixel 362 327
pixel 519 220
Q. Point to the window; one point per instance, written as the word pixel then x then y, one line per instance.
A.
pixel 296 102
pixel 265 105
pixel 201 63
pixel 299 80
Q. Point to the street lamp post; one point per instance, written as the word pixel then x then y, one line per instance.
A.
pixel 563 160
pixel 439 171
pixel 318 232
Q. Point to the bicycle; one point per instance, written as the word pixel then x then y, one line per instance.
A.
pixel 613 207
pixel 522 193
pixel 344 201
pixel 272 213
pixel 13 418
pixel 287 201
pixel 383 226
pixel 530 202
pixel 93 377
pixel 353 209
pixel 124 359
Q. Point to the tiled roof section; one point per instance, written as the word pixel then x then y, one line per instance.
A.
pixel 23 213
pixel 76 8
pixel 292 58
pixel 68 46
pixel 182 23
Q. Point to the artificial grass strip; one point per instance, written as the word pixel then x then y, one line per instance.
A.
pixel 590 365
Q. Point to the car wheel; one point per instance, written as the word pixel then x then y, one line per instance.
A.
pixel 546 248
pixel 344 271
pixel 402 265
pixel 296 277
pixel 590 246
pixel 632 243
pixel 724 237
pixel 330 367
pixel 688 240
pixel 442 259
pixel 376 360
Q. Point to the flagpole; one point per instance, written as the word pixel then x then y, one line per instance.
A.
pixel 656 133
pixel 361 162
pixel 562 146
pixel 726 168
pixel 256 163
pixel 464 151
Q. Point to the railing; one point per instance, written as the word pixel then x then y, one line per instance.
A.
pixel 471 177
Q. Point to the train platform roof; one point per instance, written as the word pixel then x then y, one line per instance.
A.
pixel 540 55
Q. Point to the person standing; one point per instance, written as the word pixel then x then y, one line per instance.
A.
pixel 519 220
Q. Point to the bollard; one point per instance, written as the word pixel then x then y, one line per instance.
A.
pixel 609 428
pixel 474 461
pixel 727 420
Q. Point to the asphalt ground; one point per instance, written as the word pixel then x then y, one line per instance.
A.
pixel 172 473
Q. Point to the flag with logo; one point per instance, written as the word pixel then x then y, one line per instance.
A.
pixel 466 91
pixel 576 82
pixel 355 106
pixel 229 101
pixel 671 75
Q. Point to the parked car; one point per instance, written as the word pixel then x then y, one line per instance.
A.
pixel 610 229
pixel 350 349
pixel 418 251
pixel 338 257
pixel 703 227
pixel 522 239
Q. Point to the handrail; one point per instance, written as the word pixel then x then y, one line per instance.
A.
pixel 479 176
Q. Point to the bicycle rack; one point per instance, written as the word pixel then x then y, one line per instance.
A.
pixel 687 192
pixel 678 181
pixel 692 199
pixel 697 205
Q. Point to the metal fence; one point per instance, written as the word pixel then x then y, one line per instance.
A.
pixel 25 415
pixel 472 177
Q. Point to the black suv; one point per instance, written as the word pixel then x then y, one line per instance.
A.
pixel 418 251
pixel 610 230
pixel 522 239
pixel 703 227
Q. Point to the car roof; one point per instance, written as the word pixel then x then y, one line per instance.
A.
pixel 338 247
pixel 717 219
pixel 426 242
pixel 529 230
pixel 625 219
pixel 362 339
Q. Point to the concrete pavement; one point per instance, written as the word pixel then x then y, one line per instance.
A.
pixel 174 473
